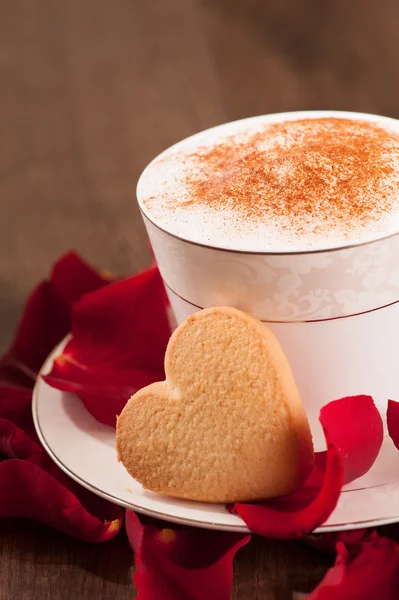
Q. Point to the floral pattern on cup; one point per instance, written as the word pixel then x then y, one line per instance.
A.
pixel 286 287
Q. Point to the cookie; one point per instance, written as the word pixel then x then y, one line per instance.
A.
pixel 228 423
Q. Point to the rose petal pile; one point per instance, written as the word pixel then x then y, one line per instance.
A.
pixel 366 570
pixel 31 485
pixel 119 338
pixel 193 564
pixel 119 332
pixel 185 564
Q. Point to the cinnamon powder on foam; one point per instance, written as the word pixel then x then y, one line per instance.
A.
pixel 307 175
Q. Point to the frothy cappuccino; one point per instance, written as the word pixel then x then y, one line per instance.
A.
pixel 279 183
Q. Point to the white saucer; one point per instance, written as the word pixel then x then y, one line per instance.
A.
pixel 85 450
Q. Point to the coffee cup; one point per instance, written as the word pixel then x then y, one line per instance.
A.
pixel 333 304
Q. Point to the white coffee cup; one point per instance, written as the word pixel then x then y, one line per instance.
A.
pixel 335 311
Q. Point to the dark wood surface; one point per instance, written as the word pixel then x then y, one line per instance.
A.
pixel 90 91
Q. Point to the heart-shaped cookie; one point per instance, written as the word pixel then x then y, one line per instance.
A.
pixel 228 423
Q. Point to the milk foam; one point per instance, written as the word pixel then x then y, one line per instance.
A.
pixel 163 191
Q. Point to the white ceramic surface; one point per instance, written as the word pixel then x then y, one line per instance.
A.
pixel 85 450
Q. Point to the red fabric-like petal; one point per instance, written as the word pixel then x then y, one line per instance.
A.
pixel 16 406
pixel 356 427
pixel 351 452
pixel 370 573
pixel 44 323
pixel 46 319
pixel 71 278
pixel 14 442
pixel 119 338
pixel 189 564
pixel 393 421
pixel 40 490
pixel 29 491
pixel 327 542
pixel 31 484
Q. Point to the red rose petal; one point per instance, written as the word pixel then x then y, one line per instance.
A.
pixel 29 491
pixel 71 278
pixel 46 319
pixel 327 542
pixel 119 338
pixel 44 323
pixel 371 573
pixel 190 564
pixel 15 443
pixel 16 406
pixel 97 506
pixel 393 421
pixel 12 377
pixel 134 530
pixel 351 452
pixel 40 478
pixel 31 484
pixel 356 428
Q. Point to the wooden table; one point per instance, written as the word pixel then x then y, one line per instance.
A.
pixel 90 91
